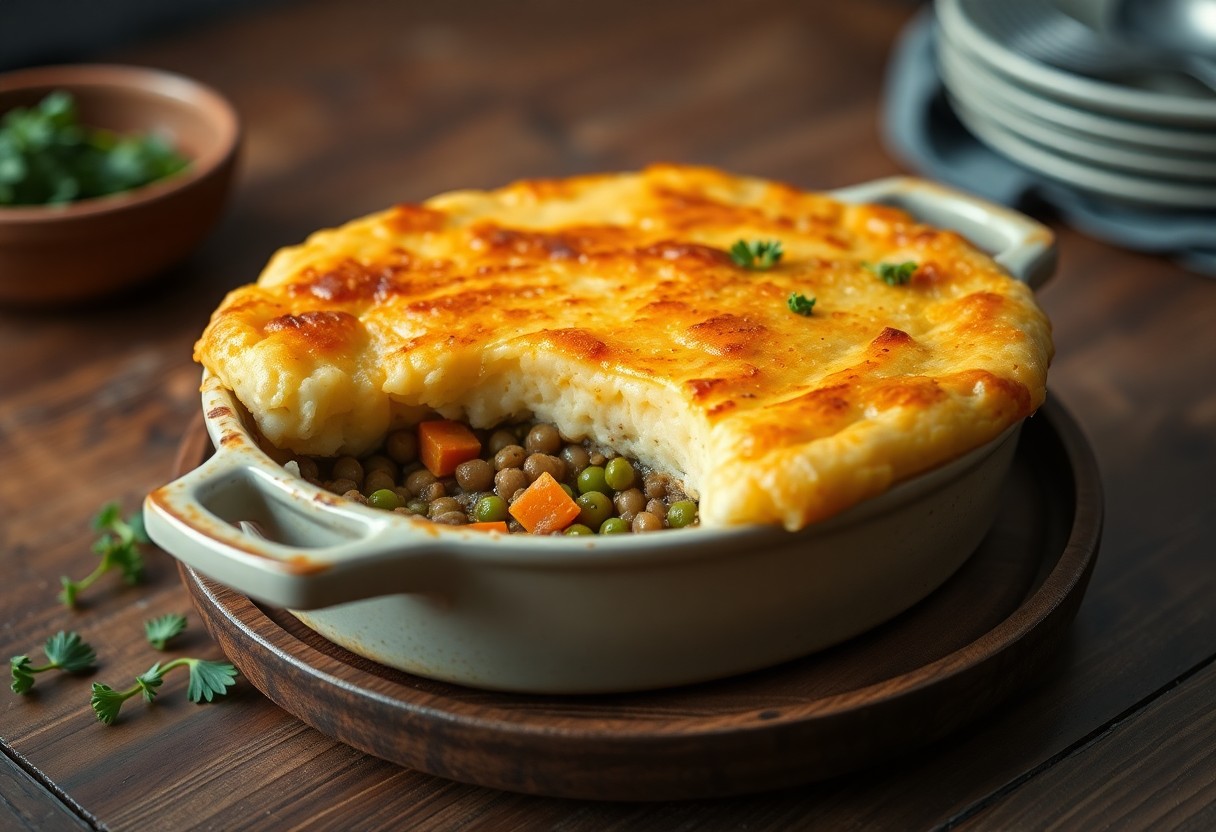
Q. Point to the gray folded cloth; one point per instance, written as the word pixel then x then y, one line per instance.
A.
pixel 920 129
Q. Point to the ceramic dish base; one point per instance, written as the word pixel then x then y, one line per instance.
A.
pixel 986 633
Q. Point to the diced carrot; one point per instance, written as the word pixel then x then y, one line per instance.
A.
pixel 489 526
pixel 544 506
pixel 442 445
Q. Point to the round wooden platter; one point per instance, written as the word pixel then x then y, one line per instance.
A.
pixel 954 656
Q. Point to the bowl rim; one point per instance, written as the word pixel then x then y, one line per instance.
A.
pixel 188 91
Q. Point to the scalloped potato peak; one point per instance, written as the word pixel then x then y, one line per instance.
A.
pixel 610 305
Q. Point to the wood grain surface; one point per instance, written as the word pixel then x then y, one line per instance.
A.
pixel 353 106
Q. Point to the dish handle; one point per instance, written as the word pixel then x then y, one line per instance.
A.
pixel 258 532
pixel 1023 246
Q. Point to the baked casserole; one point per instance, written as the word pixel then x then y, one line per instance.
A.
pixel 650 313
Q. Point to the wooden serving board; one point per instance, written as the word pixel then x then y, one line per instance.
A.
pixel 988 631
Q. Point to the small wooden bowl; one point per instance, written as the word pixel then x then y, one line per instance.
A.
pixel 93 247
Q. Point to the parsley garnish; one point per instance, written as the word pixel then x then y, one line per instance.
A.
pixel 64 651
pixel 159 631
pixel 894 274
pixel 208 679
pixel 760 254
pixel 47 157
pixel 118 547
pixel 800 304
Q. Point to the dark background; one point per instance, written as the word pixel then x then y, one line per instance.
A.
pixel 65 31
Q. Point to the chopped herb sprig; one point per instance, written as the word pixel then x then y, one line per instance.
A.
pixel 64 651
pixel 160 631
pixel 208 680
pixel 118 547
pixel 800 304
pixel 758 254
pixel 47 157
pixel 893 274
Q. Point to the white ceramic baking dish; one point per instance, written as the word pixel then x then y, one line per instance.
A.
pixel 602 614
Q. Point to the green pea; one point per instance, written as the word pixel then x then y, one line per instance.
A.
pixel 569 491
pixel 594 508
pixel 417 506
pixel 578 529
pixel 490 509
pixel 591 479
pixel 384 498
pixel 619 474
pixel 614 525
pixel 682 513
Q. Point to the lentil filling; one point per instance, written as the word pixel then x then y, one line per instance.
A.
pixel 506 479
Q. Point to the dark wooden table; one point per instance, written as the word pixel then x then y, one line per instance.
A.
pixel 353 106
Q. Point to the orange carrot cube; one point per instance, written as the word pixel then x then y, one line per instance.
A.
pixel 444 444
pixel 544 506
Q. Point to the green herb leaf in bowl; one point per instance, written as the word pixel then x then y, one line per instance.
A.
pixel 47 157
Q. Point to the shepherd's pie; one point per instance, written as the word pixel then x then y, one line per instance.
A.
pixel 612 306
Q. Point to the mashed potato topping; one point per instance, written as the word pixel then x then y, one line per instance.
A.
pixel 610 306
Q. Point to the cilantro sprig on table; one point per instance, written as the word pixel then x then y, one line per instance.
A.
pixel 68 652
pixel 64 651
pixel 208 679
pixel 160 631
pixel 756 255
pixel 47 157
pixel 118 547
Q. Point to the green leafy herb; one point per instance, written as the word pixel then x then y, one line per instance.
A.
pixel 208 680
pixel 48 157
pixel 800 304
pixel 893 274
pixel 107 702
pixel 160 630
pixel 759 254
pixel 23 674
pixel 118 547
pixel 64 651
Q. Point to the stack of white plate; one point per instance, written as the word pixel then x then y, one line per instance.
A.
pixel 1147 136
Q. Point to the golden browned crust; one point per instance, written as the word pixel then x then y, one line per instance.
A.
pixel 610 305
